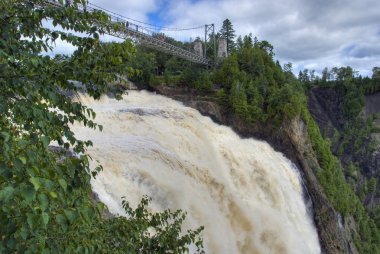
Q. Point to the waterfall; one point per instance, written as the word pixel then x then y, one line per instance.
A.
pixel 248 196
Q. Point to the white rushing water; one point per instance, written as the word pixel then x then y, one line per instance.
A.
pixel 248 197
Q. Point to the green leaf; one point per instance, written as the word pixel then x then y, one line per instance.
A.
pixel 48 184
pixel 32 220
pixel 36 183
pixel 22 159
pixel 28 193
pixel 45 141
pixel 5 135
pixel 34 62
pixel 63 183
pixel 6 194
pixel 54 35
pixel 71 215
pixel 45 218
pixel 62 221
pixel 23 233
pixel 43 201
pixel 53 194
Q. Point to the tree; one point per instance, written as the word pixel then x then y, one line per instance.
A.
pixel 288 67
pixel 376 73
pixel 228 73
pixel 239 43
pixel 343 73
pixel 304 77
pixel 267 47
pixel 145 62
pixel 238 100
pixel 227 31
pixel 45 204
pixel 248 41
pixel 325 74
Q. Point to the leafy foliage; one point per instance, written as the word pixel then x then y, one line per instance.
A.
pixel 45 203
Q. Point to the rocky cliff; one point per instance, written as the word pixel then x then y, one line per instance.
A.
pixel 372 106
pixel 292 140
pixel 325 105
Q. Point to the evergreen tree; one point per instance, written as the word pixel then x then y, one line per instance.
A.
pixel 228 33
pixel 239 42
pixel 325 74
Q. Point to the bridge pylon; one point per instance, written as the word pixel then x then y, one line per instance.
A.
pixel 210 41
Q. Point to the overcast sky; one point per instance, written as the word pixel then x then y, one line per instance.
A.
pixel 309 33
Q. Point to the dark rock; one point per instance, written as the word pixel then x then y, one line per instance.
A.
pixel 325 105
pixel 62 152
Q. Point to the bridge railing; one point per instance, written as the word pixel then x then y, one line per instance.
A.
pixel 144 36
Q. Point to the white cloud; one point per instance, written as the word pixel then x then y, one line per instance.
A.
pixel 307 33
pixel 310 34
pixel 136 9
pixel 63 48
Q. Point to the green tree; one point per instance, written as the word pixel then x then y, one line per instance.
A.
pixel 45 204
pixel 239 43
pixel 228 72
pixel 145 63
pixel 376 73
pixel 267 47
pixel 372 185
pixel 325 74
pixel 238 100
pixel 204 83
pixel 227 31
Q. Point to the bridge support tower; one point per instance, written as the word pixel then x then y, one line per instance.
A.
pixel 222 47
pixel 198 47
pixel 209 42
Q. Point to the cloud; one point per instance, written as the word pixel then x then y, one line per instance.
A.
pixel 62 48
pixel 136 9
pixel 307 33
pixel 363 50
pixel 314 33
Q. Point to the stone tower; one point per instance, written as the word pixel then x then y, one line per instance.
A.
pixel 222 48
pixel 198 47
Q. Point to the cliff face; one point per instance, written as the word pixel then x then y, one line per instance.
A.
pixel 292 140
pixel 372 106
pixel 325 105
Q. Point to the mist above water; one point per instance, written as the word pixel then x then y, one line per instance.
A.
pixel 248 197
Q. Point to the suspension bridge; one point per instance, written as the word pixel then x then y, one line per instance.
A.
pixel 152 36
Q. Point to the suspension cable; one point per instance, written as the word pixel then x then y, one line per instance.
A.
pixel 156 27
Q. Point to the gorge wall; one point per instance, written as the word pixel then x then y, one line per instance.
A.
pixel 325 105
